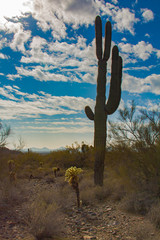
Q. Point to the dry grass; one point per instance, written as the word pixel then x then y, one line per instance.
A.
pixel 145 232
pixel 138 202
pixel 91 194
pixel 44 216
pixel 11 194
pixel 154 215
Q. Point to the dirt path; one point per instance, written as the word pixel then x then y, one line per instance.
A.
pixel 104 221
pixel 107 222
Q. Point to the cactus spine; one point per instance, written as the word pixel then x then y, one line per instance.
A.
pixel 103 109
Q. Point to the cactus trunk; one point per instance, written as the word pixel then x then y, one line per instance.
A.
pixel 100 124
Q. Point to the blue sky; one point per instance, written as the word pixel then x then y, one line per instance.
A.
pixel 48 66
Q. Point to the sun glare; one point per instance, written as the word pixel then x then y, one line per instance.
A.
pixel 10 8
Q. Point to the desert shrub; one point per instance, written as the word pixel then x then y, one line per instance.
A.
pixel 3 167
pixel 5 156
pixel 101 193
pixel 91 194
pixel 138 202
pixel 144 232
pixel 134 170
pixel 153 214
pixel 87 195
pixel 44 217
pixel 75 155
pixel 65 198
pixel 11 194
pixel 133 155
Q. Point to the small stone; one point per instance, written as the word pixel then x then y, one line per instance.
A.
pixel 108 209
pixel 87 237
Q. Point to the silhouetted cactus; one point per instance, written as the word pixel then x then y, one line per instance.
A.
pixel 102 110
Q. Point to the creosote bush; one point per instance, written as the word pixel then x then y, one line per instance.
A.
pixel 139 203
pixel 153 214
pixel 144 232
pixel 11 194
pixel 91 194
pixel 44 216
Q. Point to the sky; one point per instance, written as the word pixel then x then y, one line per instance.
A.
pixel 48 65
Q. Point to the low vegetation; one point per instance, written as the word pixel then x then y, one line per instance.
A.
pixel 132 175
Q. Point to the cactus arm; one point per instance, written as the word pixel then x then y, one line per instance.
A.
pixel 107 44
pixel 115 85
pixel 89 113
pixel 98 31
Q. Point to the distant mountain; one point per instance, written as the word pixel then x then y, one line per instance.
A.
pixel 38 150
pixel 42 150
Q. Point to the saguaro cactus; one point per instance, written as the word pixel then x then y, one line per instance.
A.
pixel 103 109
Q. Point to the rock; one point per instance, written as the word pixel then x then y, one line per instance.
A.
pixel 108 209
pixel 87 237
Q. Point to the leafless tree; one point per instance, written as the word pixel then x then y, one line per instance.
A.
pixel 4 133
pixel 136 128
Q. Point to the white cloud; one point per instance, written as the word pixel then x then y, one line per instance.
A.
pixel 115 1
pixel 147 35
pixel 64 129
pixel 13 27
pixel 125 20
pixel 54 14
pixel 3 56
pixel 158 53
pixel 12 9
pixel 75 61
pixel 125 47
pixel 19 39
pixel 20 36
pixel 18 105
pixel 152 105
pixel 154 82
pixel 142 50
pixel 124 39
pixel 58 52
pixel 61 61
pixel 147 14
pixel 39 73
pixel 13 77
pixel 3 41
pixel 145 68
pixel 139 85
